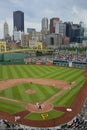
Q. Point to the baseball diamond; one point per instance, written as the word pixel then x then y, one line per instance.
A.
pixel 40 95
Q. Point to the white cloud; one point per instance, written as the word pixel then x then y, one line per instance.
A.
pixel 74 10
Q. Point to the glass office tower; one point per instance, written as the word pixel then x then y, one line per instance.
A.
pixel 18 20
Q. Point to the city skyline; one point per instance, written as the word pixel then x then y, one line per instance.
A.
pixel 35 10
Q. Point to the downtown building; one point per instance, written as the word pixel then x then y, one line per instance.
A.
pixel 60 28
pixel 6 30
pixel 18 20
pixel 7 37
pixel 31 31
pixel 75 32
pixel 57 32
pixel 44 25
pixel 44 28
pixel 18 25
pixel 53 22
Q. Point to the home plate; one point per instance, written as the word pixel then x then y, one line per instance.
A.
pixel 69 109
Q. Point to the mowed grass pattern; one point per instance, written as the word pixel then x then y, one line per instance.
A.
pixel 42 92
pixel 26 71
pixel 49 115
pixel 10 107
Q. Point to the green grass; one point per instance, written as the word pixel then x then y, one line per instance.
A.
pixel 53 72
pixel 66 98
pixel 49 115
pixel 42 92
pixel 10 107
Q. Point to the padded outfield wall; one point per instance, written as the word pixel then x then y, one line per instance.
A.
pixel 12 58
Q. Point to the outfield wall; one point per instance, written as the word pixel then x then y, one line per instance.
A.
pixel 30 58
pixel 1 57
pixel 12 58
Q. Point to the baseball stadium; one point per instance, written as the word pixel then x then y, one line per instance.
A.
pixel 41 91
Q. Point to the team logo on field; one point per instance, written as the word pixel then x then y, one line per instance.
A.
pixel 44 116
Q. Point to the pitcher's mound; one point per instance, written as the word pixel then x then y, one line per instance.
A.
pixel 39 107
pixel 30 91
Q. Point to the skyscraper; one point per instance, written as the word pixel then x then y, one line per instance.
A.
pixel 53 23
pixel 6 30
pixel 45 25
pixel 60 28
pixel 18 20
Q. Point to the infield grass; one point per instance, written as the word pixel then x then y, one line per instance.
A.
pixel 42 92
pixel 48 115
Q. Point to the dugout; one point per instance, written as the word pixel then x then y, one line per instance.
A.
pixel 61 62
pixel 79 64
pixel 67 63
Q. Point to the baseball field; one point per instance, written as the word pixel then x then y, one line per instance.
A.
pixel 54 88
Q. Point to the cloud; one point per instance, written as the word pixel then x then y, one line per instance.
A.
pixel 35 10
pixel 81 3
pixel 75 10
pixel 79 14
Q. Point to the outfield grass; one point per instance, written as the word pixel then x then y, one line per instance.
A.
pixel 54 72
pixel 43 92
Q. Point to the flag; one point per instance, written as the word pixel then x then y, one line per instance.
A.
pixel 58 50
pixel 76 51
pixel 66 51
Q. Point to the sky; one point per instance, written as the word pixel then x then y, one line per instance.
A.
pixel 34 10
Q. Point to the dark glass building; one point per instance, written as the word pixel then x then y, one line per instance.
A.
pixel 74 32
pixel 18 20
